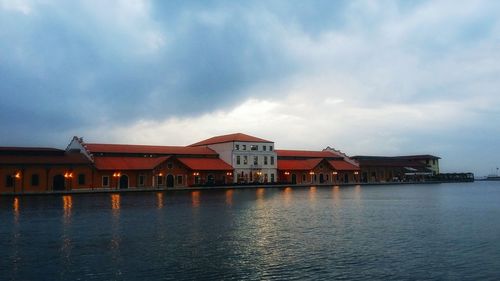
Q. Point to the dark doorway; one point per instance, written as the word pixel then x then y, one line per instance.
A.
pixel 210 180
pixel 294 179
pixel 123 182
pixel 58 182
pixel 170 181
pixel 346 178
pixel 321 178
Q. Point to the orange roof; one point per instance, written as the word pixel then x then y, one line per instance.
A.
pixel 64 158
pixel 128 163
pixel 230 138
pixel 306 164
pixel 341 165
pixel 205 164
pixel 148 149
pixel 305 153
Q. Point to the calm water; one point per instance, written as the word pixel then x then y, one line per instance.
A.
pixel 431 232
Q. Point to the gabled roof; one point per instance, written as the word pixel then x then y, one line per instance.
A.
pixel 230 138
pixel 62 159
pixel 341 165
pixel 303 164
pixel 128 163
pixel 147 149
pixel 306 154
pixel 205 164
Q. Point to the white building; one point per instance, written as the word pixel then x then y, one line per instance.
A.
pixel 253 159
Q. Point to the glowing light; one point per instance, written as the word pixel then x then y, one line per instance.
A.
pixel 160 174
pixel 67 202
pixel 196 174
pixel 311 173
pixel 17 175
pixel 195 199
pixel 115 201
pixel 356 173
pixel 229 174
pixel 159 200
pixel 334 172
pixel 287 173
pixel 117 174
pixel 15 205
pixel 68 175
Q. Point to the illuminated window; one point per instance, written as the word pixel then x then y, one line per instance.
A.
pixel 105 181
pixel 81 179
pixel 35 180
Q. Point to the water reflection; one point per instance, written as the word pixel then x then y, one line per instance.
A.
pixel 195 199
pixel 115 202
pixel 336 196
pixel 312 194
pixel 67 206
pixel 357 194
pixel 15 208
pixel 159 200
pixel 287 196
pixel 229 197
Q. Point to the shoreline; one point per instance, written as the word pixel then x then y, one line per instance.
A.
pixel 199 188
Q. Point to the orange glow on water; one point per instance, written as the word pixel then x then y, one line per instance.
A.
pixel 115 201
pixel 195 199
pixel 336 195
pixel 312 194
pixel 67 202
pixel 229 197
pixel 159 200
pixel 287 196
pixel 15 206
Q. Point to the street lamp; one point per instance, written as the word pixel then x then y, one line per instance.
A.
pixel 117 175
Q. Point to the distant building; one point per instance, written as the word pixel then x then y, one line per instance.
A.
pixel 253 159
pixel 397 168
pixel 316 167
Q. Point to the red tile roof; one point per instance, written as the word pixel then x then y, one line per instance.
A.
pixel 148 149
pixel 63 159
pixel 205 164
pixel 305 164
pixel 341 165
pixel 31 149
pixel 230 138
pixel 306 154
pixel 128 163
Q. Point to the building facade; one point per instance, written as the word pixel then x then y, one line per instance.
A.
pixel 253 159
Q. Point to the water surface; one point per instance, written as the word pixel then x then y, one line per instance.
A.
pixel 407 232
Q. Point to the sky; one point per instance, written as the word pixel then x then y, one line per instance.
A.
pixel 366 77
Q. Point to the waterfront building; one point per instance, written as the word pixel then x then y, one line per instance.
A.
pixel 253 159
pixel 121 166
pixel 32 169
pixel 397 168
pixel 316 167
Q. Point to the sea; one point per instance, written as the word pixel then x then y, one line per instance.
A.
pixel 445 231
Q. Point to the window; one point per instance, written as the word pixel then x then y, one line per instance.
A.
pixel 256 160
pixel 159 180
pixel 270 148
pixel 265 159
pixel 170 165
pixel 303 177
pixel 254 147
pixel 105 181
pixel 142 179
pixel 244 147
pixel 272 177
pixel 264 147
pixel 433 161
pixel 179 179
pixel 245 160
pixel 197 180
pixel 238 160
pixel 81 179
pixel 237 147
pixel 9 181
pixel 35 180
pixel 272 160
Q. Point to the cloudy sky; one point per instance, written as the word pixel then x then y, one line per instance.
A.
pixel 366 77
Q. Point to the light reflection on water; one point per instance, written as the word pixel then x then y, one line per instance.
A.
pixel 359 232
